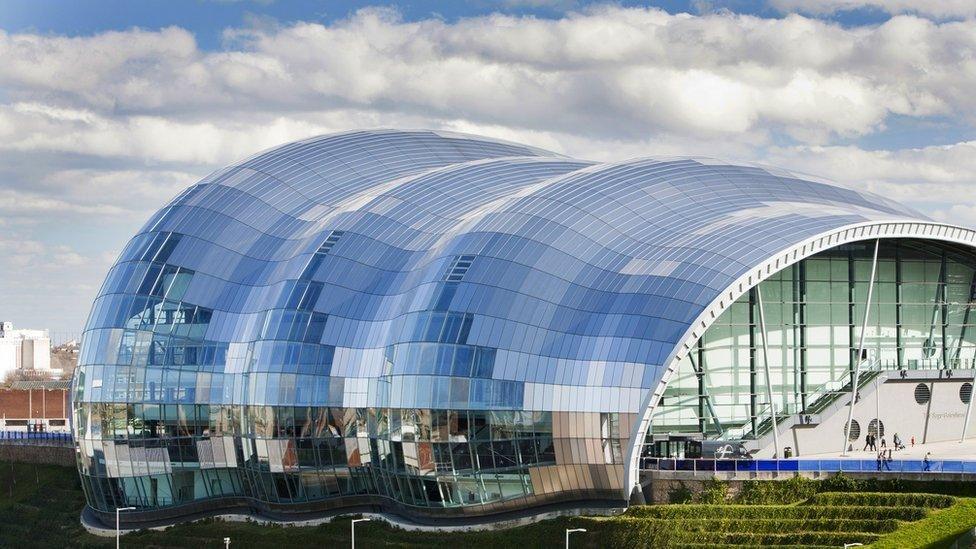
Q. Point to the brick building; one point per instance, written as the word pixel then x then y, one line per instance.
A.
pixel 35 406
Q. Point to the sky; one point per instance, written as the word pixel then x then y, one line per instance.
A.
pixel 108 109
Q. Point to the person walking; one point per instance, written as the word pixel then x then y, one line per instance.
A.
pixel 887 459
pixel 884 443
pixel 913 441
pixel 879 461
pixel 926 464
pixel 896 440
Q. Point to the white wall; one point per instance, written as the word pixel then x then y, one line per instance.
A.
pixel 23 349
pixel 939 420
pixel 9 356
pixel 40 353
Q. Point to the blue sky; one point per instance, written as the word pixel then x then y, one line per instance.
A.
pixel 108 109
pixel 206 19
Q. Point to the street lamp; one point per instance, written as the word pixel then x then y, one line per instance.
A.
pixel 570 531
pixel 353 526
pixel 226 543
pixel 117 530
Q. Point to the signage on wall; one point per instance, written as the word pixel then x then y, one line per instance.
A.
pixel 947 415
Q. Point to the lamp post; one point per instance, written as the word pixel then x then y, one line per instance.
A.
pixel 118 533
pixel 570 531
pixel 226 543
pixel 353 527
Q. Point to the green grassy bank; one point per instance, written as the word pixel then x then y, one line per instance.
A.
pixel 40 505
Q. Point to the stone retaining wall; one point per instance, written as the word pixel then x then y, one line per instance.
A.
pixel 33 453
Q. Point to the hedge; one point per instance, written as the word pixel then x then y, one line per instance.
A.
pixel 771 525
pixel 640 534
pixel 778 511
pixel 874 499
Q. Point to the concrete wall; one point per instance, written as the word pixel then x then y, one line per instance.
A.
pixel 36 354
pixel 24 349
pixel 940 419
pixel 9 356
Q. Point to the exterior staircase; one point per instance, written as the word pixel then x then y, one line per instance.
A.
pixel 821 405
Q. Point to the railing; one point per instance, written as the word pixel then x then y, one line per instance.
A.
pixel 36 439
pixel 809 465
pixel 817 401
pixel 927 364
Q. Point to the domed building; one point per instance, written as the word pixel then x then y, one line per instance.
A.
pixel 441 326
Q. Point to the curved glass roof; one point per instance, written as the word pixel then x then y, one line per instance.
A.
pixel 578 277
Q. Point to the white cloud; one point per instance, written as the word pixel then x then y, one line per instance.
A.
pixel 28 127
pixel 936 179
pixel 959 214
pixel 90 192
pixel 45 285
pixel 950 164
pixel 611 70
pixel 943 9
pixel 97 131
pixel 18 202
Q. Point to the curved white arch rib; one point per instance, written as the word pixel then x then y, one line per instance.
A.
pixel 871 230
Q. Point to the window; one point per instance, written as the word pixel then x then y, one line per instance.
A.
pixel 922 393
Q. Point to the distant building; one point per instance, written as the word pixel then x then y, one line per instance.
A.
pixel 64 358
pixel 24 350
pixel 35 406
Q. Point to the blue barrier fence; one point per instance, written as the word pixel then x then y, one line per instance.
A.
pixel 46 439
pixel 810 465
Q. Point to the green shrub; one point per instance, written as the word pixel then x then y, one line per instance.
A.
pixel 737 546
pixel 876 499
pixel 780 492
pixel 677 512
pixel 714 491
pixel 680 494
pixel 647 534
pixel 842 483
pixel 772 525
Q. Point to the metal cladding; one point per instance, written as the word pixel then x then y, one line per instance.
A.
pixel 426 271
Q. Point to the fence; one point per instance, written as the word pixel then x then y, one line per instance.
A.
pixel 810 465
pixel 36 439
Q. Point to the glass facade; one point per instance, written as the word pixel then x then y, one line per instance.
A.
pixel 920 317
pixel 436 323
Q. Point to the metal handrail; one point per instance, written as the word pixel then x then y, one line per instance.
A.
pixel 832 389
pixel 837 465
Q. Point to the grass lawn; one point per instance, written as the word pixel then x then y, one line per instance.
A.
pixel 40 505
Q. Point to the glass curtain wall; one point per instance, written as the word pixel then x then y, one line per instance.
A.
pixel 178 453
pixel 920 317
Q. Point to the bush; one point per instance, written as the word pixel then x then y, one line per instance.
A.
pixel 714 492
pixel 680 494
pixel 647 534
pixel 843 483
pixel 764 492
pixel 679 512
pixel 774 525
pixel 875 499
